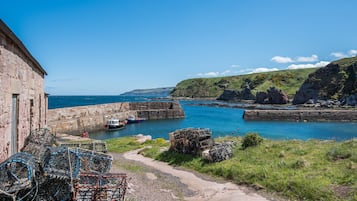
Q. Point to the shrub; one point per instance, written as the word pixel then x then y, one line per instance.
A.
pixel 251 139
pixel 338 153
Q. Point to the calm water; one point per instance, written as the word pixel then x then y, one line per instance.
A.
pixel 222 121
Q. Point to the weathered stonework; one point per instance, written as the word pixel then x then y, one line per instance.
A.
pixel 21 80
pixel 74 120
pixel 301 115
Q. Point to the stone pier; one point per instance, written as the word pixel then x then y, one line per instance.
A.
pixel 74 120
pixel 301 115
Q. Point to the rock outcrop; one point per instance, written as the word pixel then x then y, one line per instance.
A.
pixel 272 96
pixel 236 95
pixel 336 81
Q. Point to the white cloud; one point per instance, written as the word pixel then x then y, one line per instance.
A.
pixel 313 58
pixel 352 53
pixel 262 70
pixel 280 59
pixel 339 55
pixel 235 66
pixel 316 65
pixel 226 72
pixel 209 74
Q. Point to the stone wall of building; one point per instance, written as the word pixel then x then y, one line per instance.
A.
pixel 20 77
pixel 301 115
pixel 74 120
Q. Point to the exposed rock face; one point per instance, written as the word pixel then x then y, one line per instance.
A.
pixel 336 81
pixel 273 96
pixel 351 100
pixel 236 95
pixel 262 97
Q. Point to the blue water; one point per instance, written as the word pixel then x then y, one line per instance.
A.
pixel 222 122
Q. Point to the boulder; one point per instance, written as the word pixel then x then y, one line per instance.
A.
pixel 277 96
pixel 351 100
pixel 236 95
pixel 261 98
pixel 272 96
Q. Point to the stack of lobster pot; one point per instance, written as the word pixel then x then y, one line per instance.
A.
pixel 191 140
pixel 46 173
pixel 37 143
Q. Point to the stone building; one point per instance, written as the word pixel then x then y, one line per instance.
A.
pixel 23 102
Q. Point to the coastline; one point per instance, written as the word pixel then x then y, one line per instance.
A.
pixel 288 112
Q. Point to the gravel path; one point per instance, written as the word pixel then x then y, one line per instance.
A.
pixel 153 180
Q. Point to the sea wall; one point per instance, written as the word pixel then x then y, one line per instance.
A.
pixel 74 120
pixel 301 115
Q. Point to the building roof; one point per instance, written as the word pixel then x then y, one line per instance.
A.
pixel 7 31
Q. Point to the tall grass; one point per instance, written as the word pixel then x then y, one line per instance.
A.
pixel 299 170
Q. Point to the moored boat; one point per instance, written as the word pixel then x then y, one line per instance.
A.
pixel 114 124
pixel 132 119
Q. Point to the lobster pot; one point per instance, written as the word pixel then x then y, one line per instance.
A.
pixel 66 163
pixel 94 161
pixel 191 140
pixel 17 173
pixel 94 146
pixel 61 163
pixel 37 142
pixel 103 187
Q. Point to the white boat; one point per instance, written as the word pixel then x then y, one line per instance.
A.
pixel 114 124
pixel 132 119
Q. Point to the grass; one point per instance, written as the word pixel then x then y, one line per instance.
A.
pixel 287 80
pixel 298 170
pixel 124 144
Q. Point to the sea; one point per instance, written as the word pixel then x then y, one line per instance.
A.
pixel 222 121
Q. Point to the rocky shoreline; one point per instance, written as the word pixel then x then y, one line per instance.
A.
pixel 288 112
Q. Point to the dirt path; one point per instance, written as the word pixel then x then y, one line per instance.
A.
pixel 203 190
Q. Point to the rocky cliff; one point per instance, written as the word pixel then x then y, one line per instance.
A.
pixel 288 81
pixel 336 81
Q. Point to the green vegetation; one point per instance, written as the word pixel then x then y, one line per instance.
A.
pixel 287 80
pixel 251 139
pixel 346 62
pixel 124 144
pixel 299 170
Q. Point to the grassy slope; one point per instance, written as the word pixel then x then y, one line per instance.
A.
pixel 287 80
pixel 300 170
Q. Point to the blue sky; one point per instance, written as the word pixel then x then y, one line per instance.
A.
pixel 107 47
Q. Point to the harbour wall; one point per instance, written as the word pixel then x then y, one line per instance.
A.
pixel 301 115
pixel 75 120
